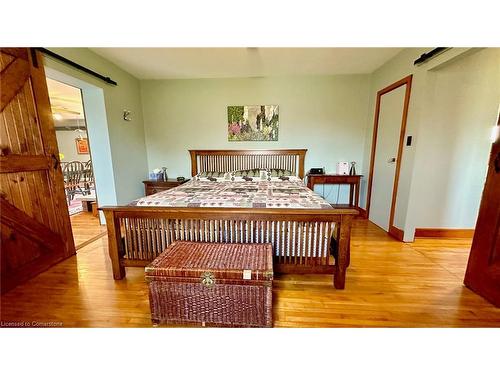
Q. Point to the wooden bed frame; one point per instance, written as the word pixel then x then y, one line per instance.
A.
pixel 301 238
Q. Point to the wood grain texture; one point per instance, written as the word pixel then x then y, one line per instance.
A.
pixel 352 180
pixel 444 232
pixel 483 270
pixel 36 230
pixel 27 226
pixel 396 233
pixel 21 163
pixel 41 104
pixel 5 60
pixel 153 187
pixel 362 213
pixel 12 79
pixel 86 229
pixel 389 284
pixel 114 245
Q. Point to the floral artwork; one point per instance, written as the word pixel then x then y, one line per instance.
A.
pixel 253 123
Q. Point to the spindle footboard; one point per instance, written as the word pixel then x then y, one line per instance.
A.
pixel 301 238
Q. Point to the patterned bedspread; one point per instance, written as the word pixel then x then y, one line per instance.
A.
pixel 251 194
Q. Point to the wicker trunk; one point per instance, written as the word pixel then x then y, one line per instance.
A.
pixel 212 284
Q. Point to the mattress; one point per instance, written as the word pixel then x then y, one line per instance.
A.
pixel 237 194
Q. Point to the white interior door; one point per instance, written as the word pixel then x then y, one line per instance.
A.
pixel 386 151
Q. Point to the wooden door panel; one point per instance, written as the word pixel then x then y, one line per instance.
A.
pixel 23 136
pixel 30 192
pixel 5 60
pixel 29 227
pixel 36 231
pixel 34 258
pixel 483 268
pixel 495 255
pixel 14 77
pixel 12 240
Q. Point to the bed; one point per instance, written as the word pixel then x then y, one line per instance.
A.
pixel 297 222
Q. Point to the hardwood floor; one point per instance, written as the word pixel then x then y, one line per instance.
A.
pixel 86 228
pixel 389 284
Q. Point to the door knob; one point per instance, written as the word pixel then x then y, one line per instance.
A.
pixel 391 160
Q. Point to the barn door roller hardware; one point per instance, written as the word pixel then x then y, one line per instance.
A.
pixel 76 65
pixel 429 55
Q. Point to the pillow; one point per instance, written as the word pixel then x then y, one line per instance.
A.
pixel 255 174
pixel 285 178
pixel 277 172
pixel 211 176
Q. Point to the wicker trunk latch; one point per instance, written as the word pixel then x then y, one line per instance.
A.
pixel 208 279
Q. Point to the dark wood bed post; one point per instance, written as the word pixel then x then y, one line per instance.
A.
pixel 302 156
pixel 114 243
pixel 194 163
pixel 343 259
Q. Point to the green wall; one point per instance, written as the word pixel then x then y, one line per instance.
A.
pixel 325 114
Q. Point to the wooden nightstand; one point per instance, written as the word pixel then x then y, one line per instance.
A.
pixel 338 179
pixel 153 187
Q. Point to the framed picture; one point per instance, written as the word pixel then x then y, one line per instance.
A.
pixel 82 145
pixel 252 123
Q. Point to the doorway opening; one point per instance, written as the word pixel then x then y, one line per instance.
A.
pixel 76 161
pixel 391 113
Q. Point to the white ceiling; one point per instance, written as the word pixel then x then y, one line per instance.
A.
pixel 65 101
pixel 165 63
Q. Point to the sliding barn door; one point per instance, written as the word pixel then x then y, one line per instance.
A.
pixel 483 269
pixel 35 225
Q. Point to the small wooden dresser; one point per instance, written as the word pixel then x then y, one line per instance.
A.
pixel 153 186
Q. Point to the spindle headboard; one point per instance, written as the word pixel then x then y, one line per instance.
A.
pixel 231 160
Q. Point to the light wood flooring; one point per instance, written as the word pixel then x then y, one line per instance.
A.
pixel 389 284
pixel 86 228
